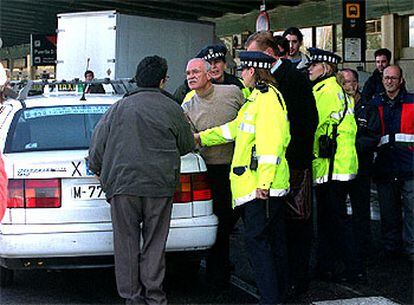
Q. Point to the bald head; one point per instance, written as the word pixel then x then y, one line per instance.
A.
pixel 392 80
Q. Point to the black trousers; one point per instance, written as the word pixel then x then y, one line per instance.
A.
pixel 335 237
pixel 360 195
pixel 264 232
pixel 218 263
pixel 140 271
pixel 299 241
pixel 299 234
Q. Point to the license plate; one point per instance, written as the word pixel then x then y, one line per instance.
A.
pixel 87 192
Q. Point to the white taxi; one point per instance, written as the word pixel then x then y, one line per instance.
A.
pixel 57 216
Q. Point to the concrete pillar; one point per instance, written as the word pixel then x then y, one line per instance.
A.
pixel 388 33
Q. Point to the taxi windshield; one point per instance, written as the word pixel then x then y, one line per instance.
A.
pixel 53 128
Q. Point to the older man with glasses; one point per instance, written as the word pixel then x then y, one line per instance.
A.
pixel 394 164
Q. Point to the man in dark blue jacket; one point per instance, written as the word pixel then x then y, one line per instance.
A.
pixel 394 164
pixel 373 86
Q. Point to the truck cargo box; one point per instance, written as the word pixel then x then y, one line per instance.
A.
pixel 111 44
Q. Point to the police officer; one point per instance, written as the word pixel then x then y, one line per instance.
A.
pixel 335 165
pixel 259 172
pixel 215 55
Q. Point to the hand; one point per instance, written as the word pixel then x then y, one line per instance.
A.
pixel 262 194
pixel 197 139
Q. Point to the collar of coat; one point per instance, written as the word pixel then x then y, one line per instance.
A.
pixel 149 89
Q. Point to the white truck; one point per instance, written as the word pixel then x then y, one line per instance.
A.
pixel 111 44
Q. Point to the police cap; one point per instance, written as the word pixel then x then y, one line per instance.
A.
pixel 255 59
pixel 213 52
pixel 319 55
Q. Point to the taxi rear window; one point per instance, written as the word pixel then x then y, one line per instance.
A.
pixel 53 128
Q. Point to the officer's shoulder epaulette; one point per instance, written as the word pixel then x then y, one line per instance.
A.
pixel 262 87
pixel 319 88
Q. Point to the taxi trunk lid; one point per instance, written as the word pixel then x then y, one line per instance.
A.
pixel 82 199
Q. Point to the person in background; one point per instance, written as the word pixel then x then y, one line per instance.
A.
pixel 336 164
pixel 90 87
pixel 394 164
pixel 139 175
pixel 303 119
pixel 210 106
pixel 259 172
pixel 215 55
pixel 367 138
pixel 374 86
pixel 297 57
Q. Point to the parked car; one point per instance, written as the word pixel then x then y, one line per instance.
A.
pixel 57 216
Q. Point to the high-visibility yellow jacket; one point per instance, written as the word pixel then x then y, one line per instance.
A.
pixel 262 123
pixel 330 102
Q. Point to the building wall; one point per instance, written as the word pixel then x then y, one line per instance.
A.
pixel 328 12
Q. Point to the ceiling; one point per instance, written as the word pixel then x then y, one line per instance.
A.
pixel 20 18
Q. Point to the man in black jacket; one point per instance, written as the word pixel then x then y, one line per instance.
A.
pixel 135 152
pixel 367 138
pixel 303 117
pixel 373 86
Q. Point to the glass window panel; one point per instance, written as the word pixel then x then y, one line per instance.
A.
pixel 54 128
pixel 324 37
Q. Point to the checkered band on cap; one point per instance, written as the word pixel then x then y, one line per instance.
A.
pixel 213 55
pixel 256 64
pixel 324 58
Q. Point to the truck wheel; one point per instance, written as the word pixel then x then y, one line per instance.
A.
pixel 6 277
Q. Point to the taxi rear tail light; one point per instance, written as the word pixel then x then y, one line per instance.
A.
pixel 15 198
pixel 192 187
pixel 34 193
pixel 201 187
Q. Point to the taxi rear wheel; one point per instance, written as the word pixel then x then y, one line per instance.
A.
pixel 6 277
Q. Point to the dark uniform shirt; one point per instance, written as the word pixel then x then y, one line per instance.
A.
pixel 302 112
pixel 373 86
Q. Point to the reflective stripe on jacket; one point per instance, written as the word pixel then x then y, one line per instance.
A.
pixel 330 102
pixel 261 123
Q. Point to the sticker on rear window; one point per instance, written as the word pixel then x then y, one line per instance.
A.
pixel 54 111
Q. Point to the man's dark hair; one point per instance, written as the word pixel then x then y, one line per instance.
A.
pixel 150 71
pixel 89 72
pixel 354 73
pixel 383 51
pixel 294 31
pixel 282 45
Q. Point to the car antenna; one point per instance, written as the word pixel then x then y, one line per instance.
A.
pixel 83 98
pixel 24 92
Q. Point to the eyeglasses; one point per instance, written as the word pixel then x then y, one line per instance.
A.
pixel 393 78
